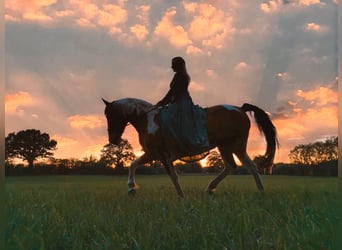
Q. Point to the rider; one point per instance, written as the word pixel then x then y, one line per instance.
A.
pixel 179 84
pixel 184 125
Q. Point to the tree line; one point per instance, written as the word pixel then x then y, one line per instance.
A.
pixel 32 146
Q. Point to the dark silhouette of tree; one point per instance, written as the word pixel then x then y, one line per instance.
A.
pixel 315 153
pixel 214 161
pixel 117 155
pixel 260 161
pixel 29 145
pixel 189 167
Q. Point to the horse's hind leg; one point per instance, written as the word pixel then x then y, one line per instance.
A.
pixel 174 177
pixel 247 162
pixel 229 164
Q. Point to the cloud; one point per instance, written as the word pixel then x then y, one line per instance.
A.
pixel 83 22
pixel 274 6
pixel 271 6
pixel 320 96
pixel 309 2
pixel 241 66
pixel 94 149
pixel 32 10
pixel 174 34
pixel 140 31
pixel 209 25
pixel 314 27
pixel 86 121
pixel 37 16
pixel 111 15
pixel 194 87
pixel 86 9
pixel 64 13
pixel 15 102
pixel 304 127
pixel 143 14
pixel 301 121
pixel 63 141
pixel 193 50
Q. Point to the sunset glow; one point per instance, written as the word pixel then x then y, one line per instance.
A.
pixel 63 56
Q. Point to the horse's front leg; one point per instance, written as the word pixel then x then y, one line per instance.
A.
pixel 132 186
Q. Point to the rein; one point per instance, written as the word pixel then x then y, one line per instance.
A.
pixel 148 111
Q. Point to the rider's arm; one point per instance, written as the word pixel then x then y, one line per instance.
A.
pixel 179 84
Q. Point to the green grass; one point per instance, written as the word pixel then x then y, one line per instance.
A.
pixel 94 212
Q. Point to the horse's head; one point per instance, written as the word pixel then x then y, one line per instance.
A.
pixel 116 122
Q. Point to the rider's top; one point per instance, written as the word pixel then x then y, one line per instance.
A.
pixel 178 88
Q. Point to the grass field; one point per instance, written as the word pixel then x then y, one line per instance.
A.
pixel 94 212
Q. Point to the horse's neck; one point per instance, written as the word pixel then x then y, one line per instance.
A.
pixel 133 108
pixel 135 111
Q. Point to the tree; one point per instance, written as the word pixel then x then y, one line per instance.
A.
pixel 188 167
pixel 259 161
pixel 214 161
pixel 117 155
pixel 315 153
pixel 29 145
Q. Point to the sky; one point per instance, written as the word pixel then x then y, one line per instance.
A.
pixel 63 56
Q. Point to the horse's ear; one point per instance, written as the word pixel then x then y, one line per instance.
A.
pixel 105 102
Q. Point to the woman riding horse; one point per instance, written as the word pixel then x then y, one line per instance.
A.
pixel 182 129
pixel 183 124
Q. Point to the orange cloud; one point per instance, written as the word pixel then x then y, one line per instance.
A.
pixel 85 23
pixel 314 27
pixel 304 125
pixel 175 34
pixel 241 66
pixel 210 25
pixel 320 96
pixel 140 31
pixel 193 50
pixel 196 87
pixel 111 15
pixel 64 13
pixel 301 125
pixel 85 9
pixel 28 9
pixel 37 16
pixel 95 150
pixel 309 2
pixel 271 6
pixel 78 147
pixel 13 102
pixel 86 121
pixel 305 128
pixel 143 13
pixel 63 141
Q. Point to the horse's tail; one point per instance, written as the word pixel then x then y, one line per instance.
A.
pixel 267 128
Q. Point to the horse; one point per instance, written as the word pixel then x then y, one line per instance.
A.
pixel 227 128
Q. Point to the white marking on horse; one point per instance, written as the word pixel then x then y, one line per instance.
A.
pixel 152 127
pixel 231 108
pixel 131 106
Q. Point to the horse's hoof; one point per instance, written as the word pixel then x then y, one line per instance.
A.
pixel 131 192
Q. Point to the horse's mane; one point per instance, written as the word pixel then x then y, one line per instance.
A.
pixel 129 106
